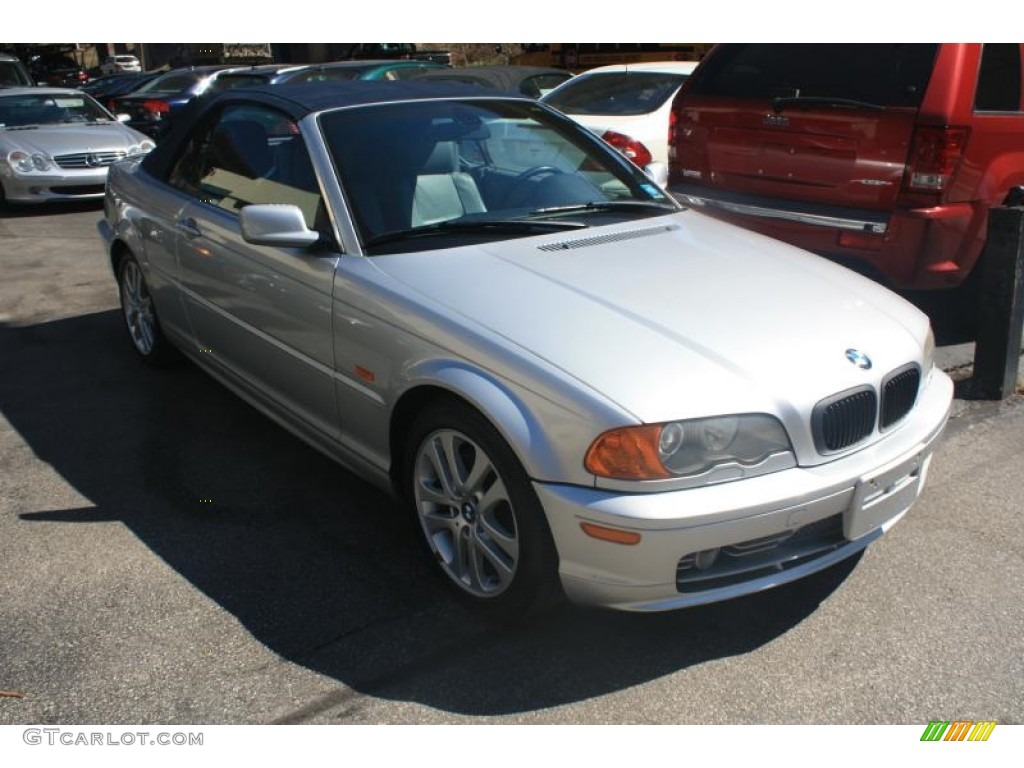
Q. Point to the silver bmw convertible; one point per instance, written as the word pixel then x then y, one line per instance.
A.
pixel 577 385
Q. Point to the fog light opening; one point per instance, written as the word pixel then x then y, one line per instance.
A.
pixel 706 559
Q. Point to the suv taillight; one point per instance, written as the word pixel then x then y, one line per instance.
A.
pixel 935 153
pixel 629 147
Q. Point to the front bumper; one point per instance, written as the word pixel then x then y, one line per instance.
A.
pixel 760 532
pixel 86 184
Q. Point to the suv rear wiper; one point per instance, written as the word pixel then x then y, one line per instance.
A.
pixel 483 226
pixel 779 103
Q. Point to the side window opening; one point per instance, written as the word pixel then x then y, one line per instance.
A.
pixel 250 154
pixel 999 79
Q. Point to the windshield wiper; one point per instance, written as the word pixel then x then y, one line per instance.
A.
pixel 481 226
pixel 779 103
pixel 607 205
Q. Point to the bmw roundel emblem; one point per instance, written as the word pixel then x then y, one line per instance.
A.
pixel 859 359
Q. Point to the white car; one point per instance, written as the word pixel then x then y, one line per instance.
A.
pixel 120 63
pixel 627 105
pixel 58 143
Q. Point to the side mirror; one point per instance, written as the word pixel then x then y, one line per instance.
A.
pixel 276 224
pixel 122 117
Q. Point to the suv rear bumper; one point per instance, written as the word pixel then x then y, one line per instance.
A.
pixel 910 248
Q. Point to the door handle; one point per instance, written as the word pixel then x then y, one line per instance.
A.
pixel 189 227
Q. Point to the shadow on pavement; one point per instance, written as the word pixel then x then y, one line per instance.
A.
pixel 317 565
pixel 34 210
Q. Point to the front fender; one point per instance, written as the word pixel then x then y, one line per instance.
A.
pixel 529 422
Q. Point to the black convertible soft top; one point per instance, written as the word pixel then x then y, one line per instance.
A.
pixel 299 100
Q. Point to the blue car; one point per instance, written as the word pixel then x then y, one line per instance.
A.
pixel 151 107
pixel 275 74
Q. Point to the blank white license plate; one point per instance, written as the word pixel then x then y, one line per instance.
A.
pixel 883 495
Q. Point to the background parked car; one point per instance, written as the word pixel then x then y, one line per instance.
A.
pixel 13 72
pixel 887 157
pixel 120 63
pixel 526 81
pixel 59 70
pixel 362 70
pixel 151 107
pixel 105 89
pixel 627 105
pixel 274 74
pixel 57 144
pixel 261 74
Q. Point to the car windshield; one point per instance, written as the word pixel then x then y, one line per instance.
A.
pixel 477 168
pixel 322 74
pixel 50 109
pixel 242 80
pixel 615 93
pixel 172 82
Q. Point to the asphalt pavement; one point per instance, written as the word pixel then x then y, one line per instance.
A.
pixel 169 555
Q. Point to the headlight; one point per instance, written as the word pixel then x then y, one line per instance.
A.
pixel 928 353
pixel 140 148
pixel 23 162
pixel 691 448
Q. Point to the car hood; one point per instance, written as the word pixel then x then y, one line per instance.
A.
pixel 72 137
pixel 678 316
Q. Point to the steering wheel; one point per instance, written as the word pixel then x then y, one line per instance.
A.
pixel 537 170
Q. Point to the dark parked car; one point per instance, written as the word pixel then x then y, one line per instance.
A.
pixel 13 73
pixel 105 89
pixel 151 107
pixel 884 156
pixel 525 81
pixel 275 74
pixel 58 70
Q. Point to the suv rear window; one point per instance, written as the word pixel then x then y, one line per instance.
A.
pixel 890 75
pixel 616 93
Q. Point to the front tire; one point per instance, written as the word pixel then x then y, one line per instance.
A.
pixel 479 514
pixel 139 315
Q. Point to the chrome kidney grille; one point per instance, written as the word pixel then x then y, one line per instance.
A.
pixel 846 418
pixel 88 159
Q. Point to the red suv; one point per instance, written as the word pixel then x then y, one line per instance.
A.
pixel 887 157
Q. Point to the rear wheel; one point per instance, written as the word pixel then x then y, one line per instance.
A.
pixel 478 512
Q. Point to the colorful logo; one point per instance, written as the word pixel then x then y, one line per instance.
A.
pixel 958 730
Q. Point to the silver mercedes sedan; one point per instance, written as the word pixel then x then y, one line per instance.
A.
pixel 578 386
pixel 57 143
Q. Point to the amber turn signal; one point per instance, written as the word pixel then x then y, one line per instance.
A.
pixel 614 535
pixel 630 453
